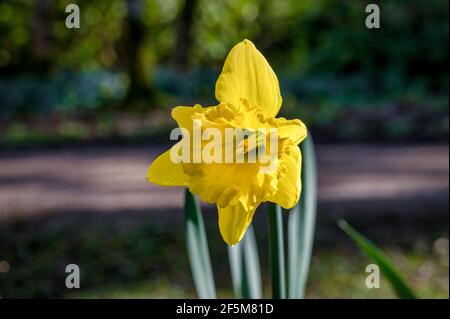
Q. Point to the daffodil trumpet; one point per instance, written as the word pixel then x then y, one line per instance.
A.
pixel 238 145
pixel 249 99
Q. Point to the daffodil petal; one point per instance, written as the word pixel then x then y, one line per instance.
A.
pixel 183 115
pixel 289 186
pixel 233 222
pixel 294 130
pixel 163 171
pixel 246 74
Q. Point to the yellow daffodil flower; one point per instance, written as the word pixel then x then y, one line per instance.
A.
pixel 249 97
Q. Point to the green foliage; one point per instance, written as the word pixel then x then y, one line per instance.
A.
pixel 197 247
pixel 314 36
pixel 399 284
pixel 345 81
pixel 64 93
pixel 245 268
pixel 302 222
pixel 276 247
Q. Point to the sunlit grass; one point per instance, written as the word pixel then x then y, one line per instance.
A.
pixel 149 261
pixel 333 275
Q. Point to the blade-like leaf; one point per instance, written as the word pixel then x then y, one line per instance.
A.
pixel 197 247
pixel 399 284
pixel 302 220
pixel 245 268
pixel 276 247
pixel 235 259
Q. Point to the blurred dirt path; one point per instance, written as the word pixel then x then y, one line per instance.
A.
pixel 112 179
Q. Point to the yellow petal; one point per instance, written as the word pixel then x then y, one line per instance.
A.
pixel 163 171
pixel 246 74
pixel 183 115
pixel 289 186
pixel 294 130
pixel 233 222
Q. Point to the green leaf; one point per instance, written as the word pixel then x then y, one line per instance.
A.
pixel 301 224
pixel 197 247
pixel 399 284
pixel 245 268
pixel 276 248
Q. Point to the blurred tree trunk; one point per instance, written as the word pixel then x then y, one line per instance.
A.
pixel 140 84
pixel 41 50
pixel 185 35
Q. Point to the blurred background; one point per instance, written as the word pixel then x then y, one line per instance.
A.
pixel 84 111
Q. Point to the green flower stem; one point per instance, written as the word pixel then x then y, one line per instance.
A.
pixel 276 247
pixel 301 224
pixel 244 267
pixel 197 247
